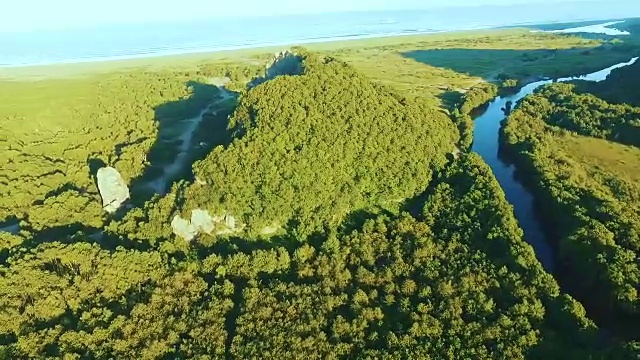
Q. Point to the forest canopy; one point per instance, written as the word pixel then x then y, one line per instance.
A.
pixel 312 148
pixel 445 284
pixel 371 231
pixel 580 155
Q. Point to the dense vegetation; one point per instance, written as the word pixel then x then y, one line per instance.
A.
pixel 567 147
pixel 318 146
pixel 477 96
pixel 619 87
pixel 448 284
pixel 462 113
pixel 54 132
pixel 365 238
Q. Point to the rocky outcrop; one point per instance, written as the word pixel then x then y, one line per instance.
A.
pixel 270 230
pixel 456 153
pixel 203 223
pixel 283 63
pixel 113 189
pixel 183 228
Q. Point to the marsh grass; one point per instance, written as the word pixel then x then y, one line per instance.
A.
pixel 623 161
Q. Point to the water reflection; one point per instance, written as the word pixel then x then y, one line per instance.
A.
pixel 486 143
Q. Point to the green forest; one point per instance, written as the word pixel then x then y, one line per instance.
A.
pixel 335 143
pixel 350 220
pixel 441 284
pixel 580 154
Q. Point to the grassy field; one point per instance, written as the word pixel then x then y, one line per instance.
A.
pixel 623 161
pixel 431 67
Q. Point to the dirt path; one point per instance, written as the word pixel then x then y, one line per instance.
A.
pixel 172 169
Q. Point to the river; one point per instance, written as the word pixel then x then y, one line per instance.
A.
pixel 486 143
pixel 11 229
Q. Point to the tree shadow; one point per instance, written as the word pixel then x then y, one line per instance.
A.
pixel 188 129
pixel 231 245
pixel 450 99
pixel 521 64
pixel 202 95
pixel 73 234
pixel 355 220
pixel 95 164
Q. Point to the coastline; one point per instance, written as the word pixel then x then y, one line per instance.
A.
pixel 183 60
pixel 262 47
pixel 604 28
pixel 151 53
pixel 320 43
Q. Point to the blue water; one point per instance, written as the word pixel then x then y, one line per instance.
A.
pixel 157 39
pixel 486 143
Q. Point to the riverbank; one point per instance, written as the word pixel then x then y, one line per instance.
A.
pixel 550 217
pixel 583 183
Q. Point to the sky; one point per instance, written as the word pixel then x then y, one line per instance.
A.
pixel 30 15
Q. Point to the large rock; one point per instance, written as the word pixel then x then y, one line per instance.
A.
pixel 203 223
pixel 230 221
pixel 270 230
pixel 183 228
pixel 283 63
pixel 113 189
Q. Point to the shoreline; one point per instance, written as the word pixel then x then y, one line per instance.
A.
pixel 603 28
pixel 227 49
pixel 221 49
pixel 255 54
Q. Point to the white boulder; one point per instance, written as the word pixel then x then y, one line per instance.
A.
pixel 113 189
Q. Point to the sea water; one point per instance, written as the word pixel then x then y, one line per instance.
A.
pixel 607 28
pixel 126 41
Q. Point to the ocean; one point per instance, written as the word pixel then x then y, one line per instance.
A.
pixel 127 41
